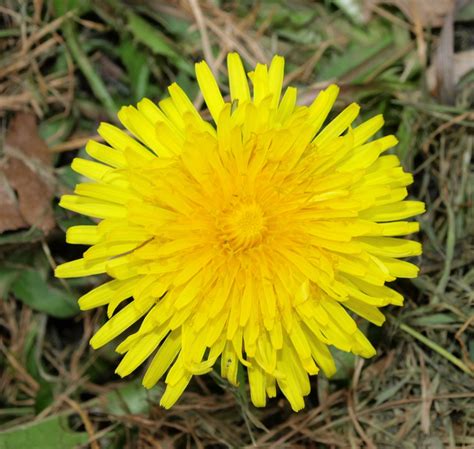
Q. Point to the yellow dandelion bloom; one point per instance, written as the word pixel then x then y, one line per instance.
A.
pixel 255 239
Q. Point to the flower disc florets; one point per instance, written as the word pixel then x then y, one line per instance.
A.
pixel 254 241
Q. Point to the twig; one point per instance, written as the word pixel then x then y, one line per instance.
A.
pixel 351 406
pixel 206 45
pixel 85 419
pixel 444 126
pixel 75 143
pixel 46 29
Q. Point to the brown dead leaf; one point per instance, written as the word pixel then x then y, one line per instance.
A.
pixel 10 217
pixel 427 13
pixel 443 61
pixel 26 178
pixel 461 64
pixel 447 67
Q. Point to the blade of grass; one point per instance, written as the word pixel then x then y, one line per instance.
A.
pixel 435 347
pixel 450 244
pixel 95 82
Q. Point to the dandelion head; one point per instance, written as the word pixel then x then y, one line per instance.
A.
pixel 256 238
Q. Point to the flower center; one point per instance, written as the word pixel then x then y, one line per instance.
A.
pixel 243 227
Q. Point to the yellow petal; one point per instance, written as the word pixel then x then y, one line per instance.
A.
pixel 229 364
pixel 163 359
pixel 287 104
pixel 367 129
pixel 182 102
pixel 239 87
pixel 80 267
pixel 90 169
pixel 275 78
pixel 260 82
pixel 103 294
pixel 257 382
pixel 109 249
pixel 113 194
pixel 210 90
pixel 321 106
pixel 83 235
pixel 92 207
pixel 105 154
pixel 139 353
pixel 391 247
pixel 322 356
pixel 337 125
pixel 119 323
pixel 337 312
pixel 400 268
pixel 370 313
pixel 120 140
pixel 173 392
pixel 395 211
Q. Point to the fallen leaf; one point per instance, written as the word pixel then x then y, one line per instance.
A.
pixel 10 217
pixel 461 64
pixel 443 61
pixel 447 68
pixel 26 178
pixel 427 13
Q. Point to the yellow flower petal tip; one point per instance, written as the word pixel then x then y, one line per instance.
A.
pixel 254 240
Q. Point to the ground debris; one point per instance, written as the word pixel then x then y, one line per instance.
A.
pixel 26 178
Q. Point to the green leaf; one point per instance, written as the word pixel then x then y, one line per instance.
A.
pixel 148 35
pixel 138 70
pixel 45 394
pixel 179 27
pixel 359 57
pixel 50 433
pixel 30 288
pixel 67 176
pixel 27 236
pixel 61 7
pixel 66 222
pixel 465 13
pixel 156 41
pixel 56 129
pixel 44 397
pixel 7 277
pixel 132 398
pixel 435 319
pixel 345 362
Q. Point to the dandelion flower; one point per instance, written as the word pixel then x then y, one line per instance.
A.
pixel 255 239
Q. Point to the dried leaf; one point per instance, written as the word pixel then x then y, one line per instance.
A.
pixel 26 178
pixel 10 217
pixel 427 13
pixel 461 64
pixel 443 61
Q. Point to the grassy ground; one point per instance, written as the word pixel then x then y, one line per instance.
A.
pixel 66 66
